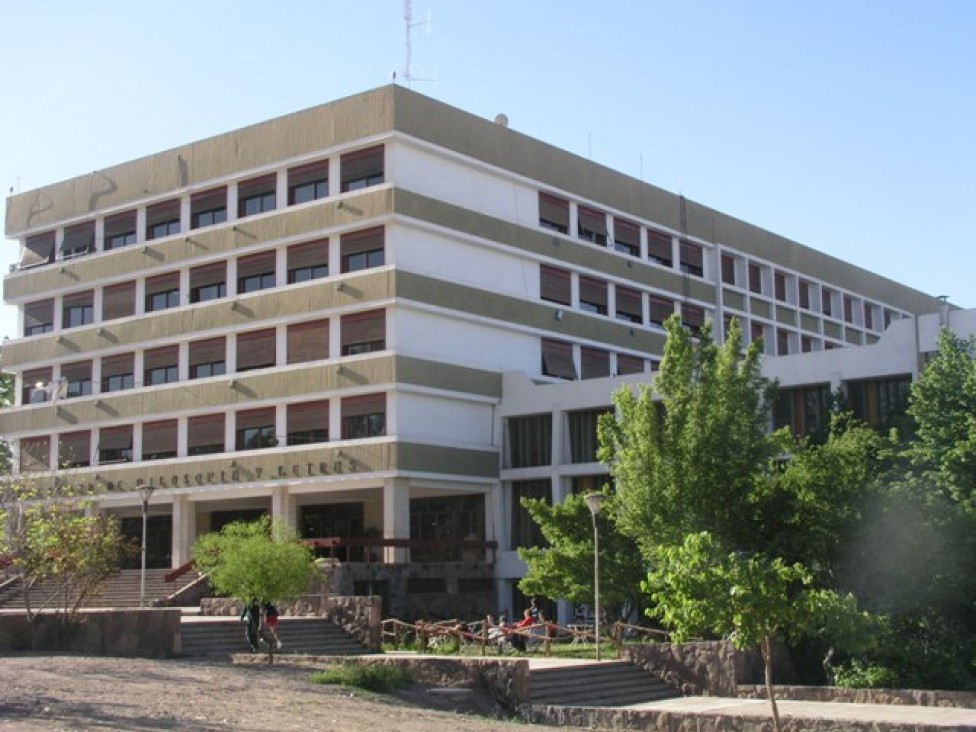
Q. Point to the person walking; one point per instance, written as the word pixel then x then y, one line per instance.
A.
pixel 251 616
pixel 269 614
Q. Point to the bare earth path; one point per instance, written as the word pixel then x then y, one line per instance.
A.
pixel 82 693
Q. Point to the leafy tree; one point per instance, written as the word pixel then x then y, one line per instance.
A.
pixel 7 383
pixel 51 541
pixel 699 588
pixel 262 560
pixel 564 568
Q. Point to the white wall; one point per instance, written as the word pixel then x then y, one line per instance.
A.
pixel 429 418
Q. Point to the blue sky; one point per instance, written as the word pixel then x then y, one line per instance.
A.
pixel 845 125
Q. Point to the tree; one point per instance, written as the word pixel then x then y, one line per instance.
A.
pixel 699 588
pixel 564 568
pixel 51 541
pixel 7 384
pixel 262 560
pixel 689 460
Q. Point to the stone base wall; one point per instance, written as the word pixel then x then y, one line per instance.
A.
pixel 916 697
pixel 706 668
pixel 149 633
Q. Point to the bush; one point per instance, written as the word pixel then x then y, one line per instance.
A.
pixel 857 675
pixel 379 678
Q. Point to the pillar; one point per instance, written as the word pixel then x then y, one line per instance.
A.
pixel 396 517
pixel 184 529
pixel 283 507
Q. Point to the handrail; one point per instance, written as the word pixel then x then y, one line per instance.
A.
pixel 368 542
pixel 175 574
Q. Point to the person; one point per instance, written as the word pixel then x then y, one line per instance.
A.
pixel 269 613
pixel 527 621
pixel 534 610
pixel 251 616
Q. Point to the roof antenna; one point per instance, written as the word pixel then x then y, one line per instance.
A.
pixel 408 26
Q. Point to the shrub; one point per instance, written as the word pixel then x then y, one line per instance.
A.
pixel 857 675
pixel 379 678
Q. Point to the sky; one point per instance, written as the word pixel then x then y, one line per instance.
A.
pixel 845 125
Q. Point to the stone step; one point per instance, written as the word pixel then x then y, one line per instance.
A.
pixel 614 683
pixel 222 638
pixel 121 590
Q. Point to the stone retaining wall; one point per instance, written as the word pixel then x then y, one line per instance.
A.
pixel 917 697
pixel 707 668
pixel 149 633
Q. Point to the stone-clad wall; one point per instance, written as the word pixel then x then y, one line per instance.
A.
pixel 131 632
pixel 917 697
pixel 695 669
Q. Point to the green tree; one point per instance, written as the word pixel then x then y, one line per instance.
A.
pixel 262 560
pixel 699 588
pixel 564 568
pixel 7 383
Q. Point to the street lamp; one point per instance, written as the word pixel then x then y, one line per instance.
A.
pixel 594 501
pixel 145 492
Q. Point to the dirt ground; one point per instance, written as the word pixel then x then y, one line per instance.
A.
pixel 83 693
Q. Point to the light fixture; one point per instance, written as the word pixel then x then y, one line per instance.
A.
pixel 559 315
pixel 145 493
pixel 594 501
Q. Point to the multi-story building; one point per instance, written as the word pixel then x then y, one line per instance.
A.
pixel 381 320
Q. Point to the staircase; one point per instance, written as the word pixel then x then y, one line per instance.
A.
pixel 609 684
pixel 219 637
pixel 121 590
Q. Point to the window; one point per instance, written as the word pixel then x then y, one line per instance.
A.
pixel 256 272
pixel 74 450
pixel 593 295
pixel 529 441
pixel 308 261
pixel 659 247
pixel 728 269
pixel 38 317
pixel 879 402
pixel 591 225
pixel 804 291
pixel 78 376
pixel 78 309
pixel 364 416
pixel 594 363
pixel 208 282
pixel 363 332
pixel 159 440
pixel 555 285
pixel 806 344
pixel 256 196
pixel 163 292
pixel 888 317
pixel 692 259
pixel 692 316
pixel 629 365
pixel 756 332
pixel 826 299
pixel 119 301
pixel 115 445
pixel 36 386
pixel 583 440
pixel 207 358
pixel 163 219
pixel 626 237
pixel 869 316
pixel 205 434
pixel 308 341
pixel 117 372
pixel 308 423
pixel 629 306
pixel 256 350
pixel 38 249
pixel 525 531
pixel 120 230
pixel 78 240
pixel 308 182
pixel 848 309
pixel 35 454
pixel 362 249
pixel 755 279
pixel 256 429
pixel 208 208
pixel 557 359
pixel 661 308
pixel 161 366
pixel 779 286
pixel 805 410
pixel 553 213
pixel 361 169
pixel 782 342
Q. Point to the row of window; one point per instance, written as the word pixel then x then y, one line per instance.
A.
pixel 253 429
pixel 304 183
pixel 620 234
pixel 569 361
pixel 361 332
pixel 305 261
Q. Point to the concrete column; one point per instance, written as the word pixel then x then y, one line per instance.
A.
pixel 396 517
pixel 184 529
pixel 184 214
pixel 283 507
pixel 182 436
pixel 281 264
pixel 281 189
pixel 141 225
pixel 334 182
pixel 99 234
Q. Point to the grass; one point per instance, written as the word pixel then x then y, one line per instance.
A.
pixel 375 677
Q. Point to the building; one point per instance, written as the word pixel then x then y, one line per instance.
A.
pixel 381 320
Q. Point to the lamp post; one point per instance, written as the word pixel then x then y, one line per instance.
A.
pixel 594 501
pixel 145 492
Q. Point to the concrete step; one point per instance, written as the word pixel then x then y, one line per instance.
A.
pixel 613 683
pixel 207 637
pixel 121 590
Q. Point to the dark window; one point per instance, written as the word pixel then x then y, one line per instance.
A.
pixel 848 309
pixel 35 454
pixel 117 372
pixel 74 450
pixel 119 301
pixel 553 213
pixel 308 261
pixel 805 410
pixel 591 225
pixel 78 310
pixel 555 285
pixel 629 305
pixel 78 240
pixel 529 441
pixel 207 358
pixel 594 363
pixel 256 272
pixel 692 316
pixel 626 237
pixel 36 386
pixel 159 440
pixel 256 429
pixel 756 332
pixel 256 350
pixel 208 208
pixel 364 416
pixel 692 259
pixel 308 341
pixel 38 317
pixel 661 308
pixel 593 295
pixel 160 366
pixel 308 182
pixel 308 423
pixel 659 247
pixel 827 305
pixel 115 445
pixel 779 286
pixel 120 230
pixel 363 332
pixel 256 196
pixel 557 359
pixel 208 282
pixel 728 269
pixel 525 531
pixel 755 279
pixel 205 434
pixel 879 402
pixel 629 365
pixel 806 344
pixel 804 292
pixel 782 342
pixel 868 316
pixel 362 249
pixel 163 220
pixel 361 169
pixel 78 376
pixel 38 249
pixel 163 292
pixel 583 440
